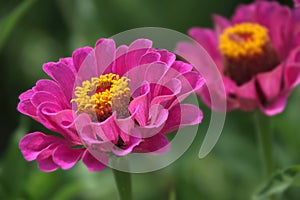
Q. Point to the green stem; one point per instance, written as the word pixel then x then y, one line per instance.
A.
pixel 265 139
pixel 123 182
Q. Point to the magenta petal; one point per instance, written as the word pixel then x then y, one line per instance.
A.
pixel 270 83
pixel 63 121
pixel 276 18
pixel 121 50
pixel 26 107
pixel 247 95
pixel 32 144
pixel 221 23
pixel 42 97
pixel 245 13
pixel 63 75
pixel 131 144
pixel 66 157
pixel 167 57
pixel 208 40
pixel 45 160
pixel 181 67
pixel 79 56
pixel 140 44
pixel 182 115
pixel 158 117
pixel 105 54
pixel 149 58
pixel 135 51
pixel 47 165
pixel 44 110
pixel 26 95
pixel 296 3
pixel 92 163
pixel 291 76
pixel 190 82
pixel 276 107
pixel 140 106
pixel 157 144
pixel 52 88
pixel 154 72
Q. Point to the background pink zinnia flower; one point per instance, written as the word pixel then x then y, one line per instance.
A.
pixel 117 100
pixel 257 53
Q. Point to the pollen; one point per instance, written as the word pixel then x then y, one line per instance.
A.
pixel 101 96
pixel 243 40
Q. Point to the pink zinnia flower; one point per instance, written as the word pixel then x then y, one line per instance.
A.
pixel 257 53
pixel 115 100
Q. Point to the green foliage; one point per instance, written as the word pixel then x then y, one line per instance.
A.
pixel 35 32
pixel 278 183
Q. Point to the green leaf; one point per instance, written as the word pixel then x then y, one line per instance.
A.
pixel 9 22
pixel 278 183
pixel 13 168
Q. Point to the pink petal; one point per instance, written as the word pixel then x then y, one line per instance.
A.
pixel 154 72
pixel 26 107
pixel 88 69
pixel 158 117
pixel 244 13
pixel 121 50
pixel 140 44
pixel 105 54
pixel 66 157
pixel 135 51
pixel 63 75
pixel 276 107
pixel 44 110
pixel 140 106
pixel 79 55
pixel 221 23
pixel 190 82
pixel 208 40
pixel 130 145
pixel 277 19
pixel 247 95
pixel 296 3
pixel 180 67
pixel 63 121
pixel 47 165
pixel 52 88
pixel 157 144
pixel 42 97
pixel 167 57
pixel 291 76
pixel 94 164
pixel 270 83
pixel 180 116
pixel 32 144
pixel 149 58
pixel 26 95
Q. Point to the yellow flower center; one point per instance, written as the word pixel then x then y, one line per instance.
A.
pixel 243 40
pixel 247 51
pixel 102 96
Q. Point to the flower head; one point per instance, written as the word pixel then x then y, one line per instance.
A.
pixel 112 100
pixel 256 52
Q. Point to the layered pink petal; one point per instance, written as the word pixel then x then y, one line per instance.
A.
pixel 66 157
pixel 209 41
pixel 32 144
pixel 63 75
pixel 180 116
pixel 79 55
pixel 247 95
pixel 270 83
pixel 95 164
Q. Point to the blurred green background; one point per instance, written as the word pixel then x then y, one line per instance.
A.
pixel 48 30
